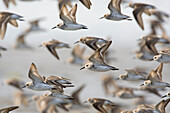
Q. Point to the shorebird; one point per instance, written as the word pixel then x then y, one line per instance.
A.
pixel 115 11
pixel 69 19
pixel 158 14
pixel 86 3
pixel 107 82
pixel 159 108
pixel 155 79
pixel 2 48
pixel 7 2
pixel 125 93
pixel 139 8
pixel 151 40
pixel 132 75
pixel 48 101
pixel 51 45
pixel 20 42
pixel 147 46
pixel 77 55
pixel 37 82
pixel 98 104
pixel 92 42
pixel 59 81
pixel 97 62
pixel 167 95
pixel 15 83
pixel 5 18
pixel 163 56
pixel 75 94
pixel 8 109
pixel 156 24
pixel 34 25
pixel 150 90
pixel 21 98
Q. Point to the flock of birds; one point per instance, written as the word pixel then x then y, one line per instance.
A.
pixel 98 61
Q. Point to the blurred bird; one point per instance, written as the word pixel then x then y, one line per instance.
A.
pixel 115 11
pixel 69 19
pixel 34 26
pixel 15 83
pixel 92 42
pixel 98 104
pixel 77 55
pixel 139 8
pixel 97 62
pixel 5 18
pixel 51 45
pixel 132 75
pixel 21 43
pixel 75 94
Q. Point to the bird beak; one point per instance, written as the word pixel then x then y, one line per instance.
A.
pixel 142 85
pixel 164 96
pixel 151 59
pixel 76 42
pixel 101 17
pixel 54 27
pixel 82 68
pixel 23 86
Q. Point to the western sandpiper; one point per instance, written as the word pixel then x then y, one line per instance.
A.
pixel 37 82
pixel 155 79
pixel 132 75
pixel 34 25
pixel 115 11
pixel 21 43
pixel 107 82
pixel 158 14
pixel 51 45
pixel 139 8
pixel 69 19
pixel 77 55
pixel 6 17
pixel 59 81
pixel 97 60
pixel 92 42
pixel 163 57
pixel 75 94
pixel 98 104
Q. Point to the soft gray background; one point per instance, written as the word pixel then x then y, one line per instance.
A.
pixel 16 63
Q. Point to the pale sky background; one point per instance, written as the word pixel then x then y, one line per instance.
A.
pixel 124 34
pixel 119 31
